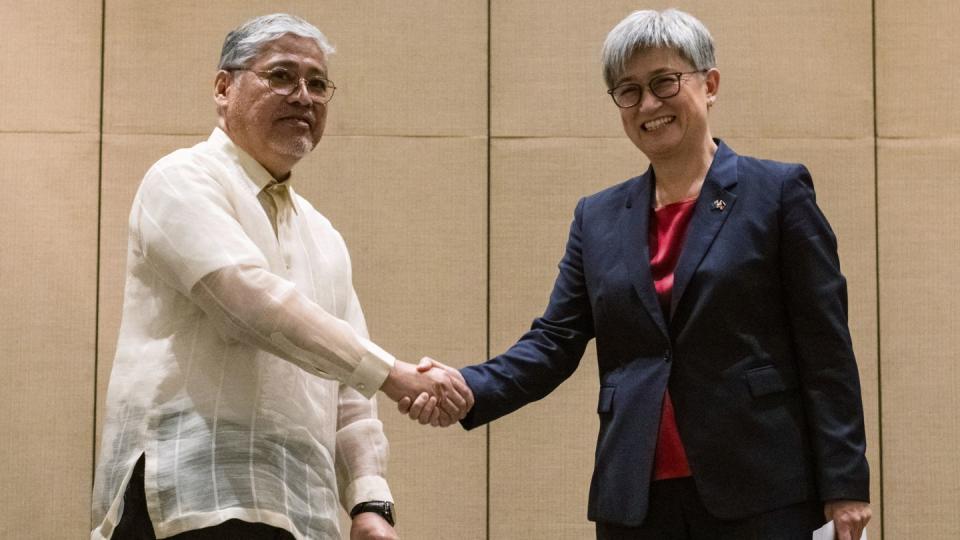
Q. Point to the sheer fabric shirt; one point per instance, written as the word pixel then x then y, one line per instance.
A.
pixel 243 370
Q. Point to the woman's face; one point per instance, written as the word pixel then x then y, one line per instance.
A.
pixel 668 128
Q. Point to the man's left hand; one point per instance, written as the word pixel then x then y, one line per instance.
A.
pixel 850 518
pixel 370 526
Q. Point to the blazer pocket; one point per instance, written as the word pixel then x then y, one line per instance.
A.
pixel 765 380
pixel 606 399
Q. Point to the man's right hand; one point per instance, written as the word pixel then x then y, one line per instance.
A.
pixel 423 408
pixel 442 394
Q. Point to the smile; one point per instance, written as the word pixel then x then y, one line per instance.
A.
pixel 658 123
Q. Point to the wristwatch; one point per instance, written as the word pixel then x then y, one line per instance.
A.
pixel 382 508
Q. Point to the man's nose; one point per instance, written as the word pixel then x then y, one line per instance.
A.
pixel 300 94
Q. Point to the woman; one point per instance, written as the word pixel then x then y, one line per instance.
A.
pixel 729 397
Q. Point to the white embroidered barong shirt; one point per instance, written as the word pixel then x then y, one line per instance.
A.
pixel 243 371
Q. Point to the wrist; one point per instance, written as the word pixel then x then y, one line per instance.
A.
pixel 384 509
pixel 393 385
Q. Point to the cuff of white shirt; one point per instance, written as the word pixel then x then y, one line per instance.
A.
pixel 366 488
pixel 374 367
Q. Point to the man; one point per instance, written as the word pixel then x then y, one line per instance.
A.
pixel 241 399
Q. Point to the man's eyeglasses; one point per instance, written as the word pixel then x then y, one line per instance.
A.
pixel 284 82
pixel 663 86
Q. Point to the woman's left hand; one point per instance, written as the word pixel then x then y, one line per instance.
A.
pixel 850 518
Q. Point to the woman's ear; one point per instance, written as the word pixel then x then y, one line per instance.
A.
pixel 713 85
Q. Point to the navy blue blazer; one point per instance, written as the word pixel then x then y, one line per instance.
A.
pixel 756 349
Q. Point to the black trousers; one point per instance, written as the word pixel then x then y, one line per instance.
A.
pixel 677 513
pixel 135 521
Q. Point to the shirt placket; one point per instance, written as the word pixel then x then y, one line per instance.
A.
pixel 285 225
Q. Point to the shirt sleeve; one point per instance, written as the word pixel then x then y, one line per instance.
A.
pixel 190 234
pixel 362 448
pixel 817 302
pixel 255 306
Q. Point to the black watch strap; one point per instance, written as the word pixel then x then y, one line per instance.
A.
pixel 382 508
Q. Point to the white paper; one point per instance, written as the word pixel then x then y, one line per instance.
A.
pixel 827 532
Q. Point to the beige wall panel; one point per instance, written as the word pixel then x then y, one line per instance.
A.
pixel 401 68
pixel 413 212
pixel 916 85
pixel 126 159
pixel 542 455
pixel 50 65
pixel 47 329
pixel 789 69
pixel 843 176
pixel 919 285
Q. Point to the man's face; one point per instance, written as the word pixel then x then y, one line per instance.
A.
pixel 275 130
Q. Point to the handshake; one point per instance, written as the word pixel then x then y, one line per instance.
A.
pixel 430 392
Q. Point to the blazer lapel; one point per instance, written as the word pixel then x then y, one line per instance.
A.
pixel 714 204
pixel 634 225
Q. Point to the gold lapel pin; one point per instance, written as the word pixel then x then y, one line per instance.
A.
pixel 719 204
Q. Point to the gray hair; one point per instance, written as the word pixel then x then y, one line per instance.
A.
pixel 648 29
pixel 243 43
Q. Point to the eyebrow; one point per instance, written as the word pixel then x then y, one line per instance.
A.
pixel 652 75
pixel 288 64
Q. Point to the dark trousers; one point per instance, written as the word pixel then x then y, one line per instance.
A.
pixel 676 512
pixel 135 521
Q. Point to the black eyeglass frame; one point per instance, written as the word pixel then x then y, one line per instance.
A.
pixel 264 77
pixel 677 75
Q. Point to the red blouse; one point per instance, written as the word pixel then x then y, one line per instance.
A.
pixel 668 228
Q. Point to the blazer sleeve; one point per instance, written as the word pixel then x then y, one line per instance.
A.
pixel 816 301
pixel 548 353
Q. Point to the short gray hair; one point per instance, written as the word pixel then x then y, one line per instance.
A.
pixel 243 43
pixel 648 29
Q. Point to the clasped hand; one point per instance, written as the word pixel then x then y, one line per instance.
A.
pixel 430 392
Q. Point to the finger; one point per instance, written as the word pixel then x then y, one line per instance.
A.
pixel 418 405
pixel 861 526
pixel 450 407
pixel 457 394
pixel 462 388
pixel 404 405
pixel 428 411
pixel 445 420
pixel 426 363
pixel 435 416
pixel 470 399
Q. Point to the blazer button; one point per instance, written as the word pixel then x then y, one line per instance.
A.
pixel 666 356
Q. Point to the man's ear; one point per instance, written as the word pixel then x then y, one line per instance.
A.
pixel 221 84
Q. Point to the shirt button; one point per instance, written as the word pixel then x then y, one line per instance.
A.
pixel 361 386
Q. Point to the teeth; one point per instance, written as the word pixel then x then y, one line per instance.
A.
pixel 658 123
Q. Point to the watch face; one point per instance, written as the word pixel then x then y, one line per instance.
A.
pixel 387 512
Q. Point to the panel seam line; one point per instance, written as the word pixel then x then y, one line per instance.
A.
pixel 876 232
pixel 96 314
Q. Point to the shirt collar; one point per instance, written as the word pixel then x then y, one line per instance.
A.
pixel 258 177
